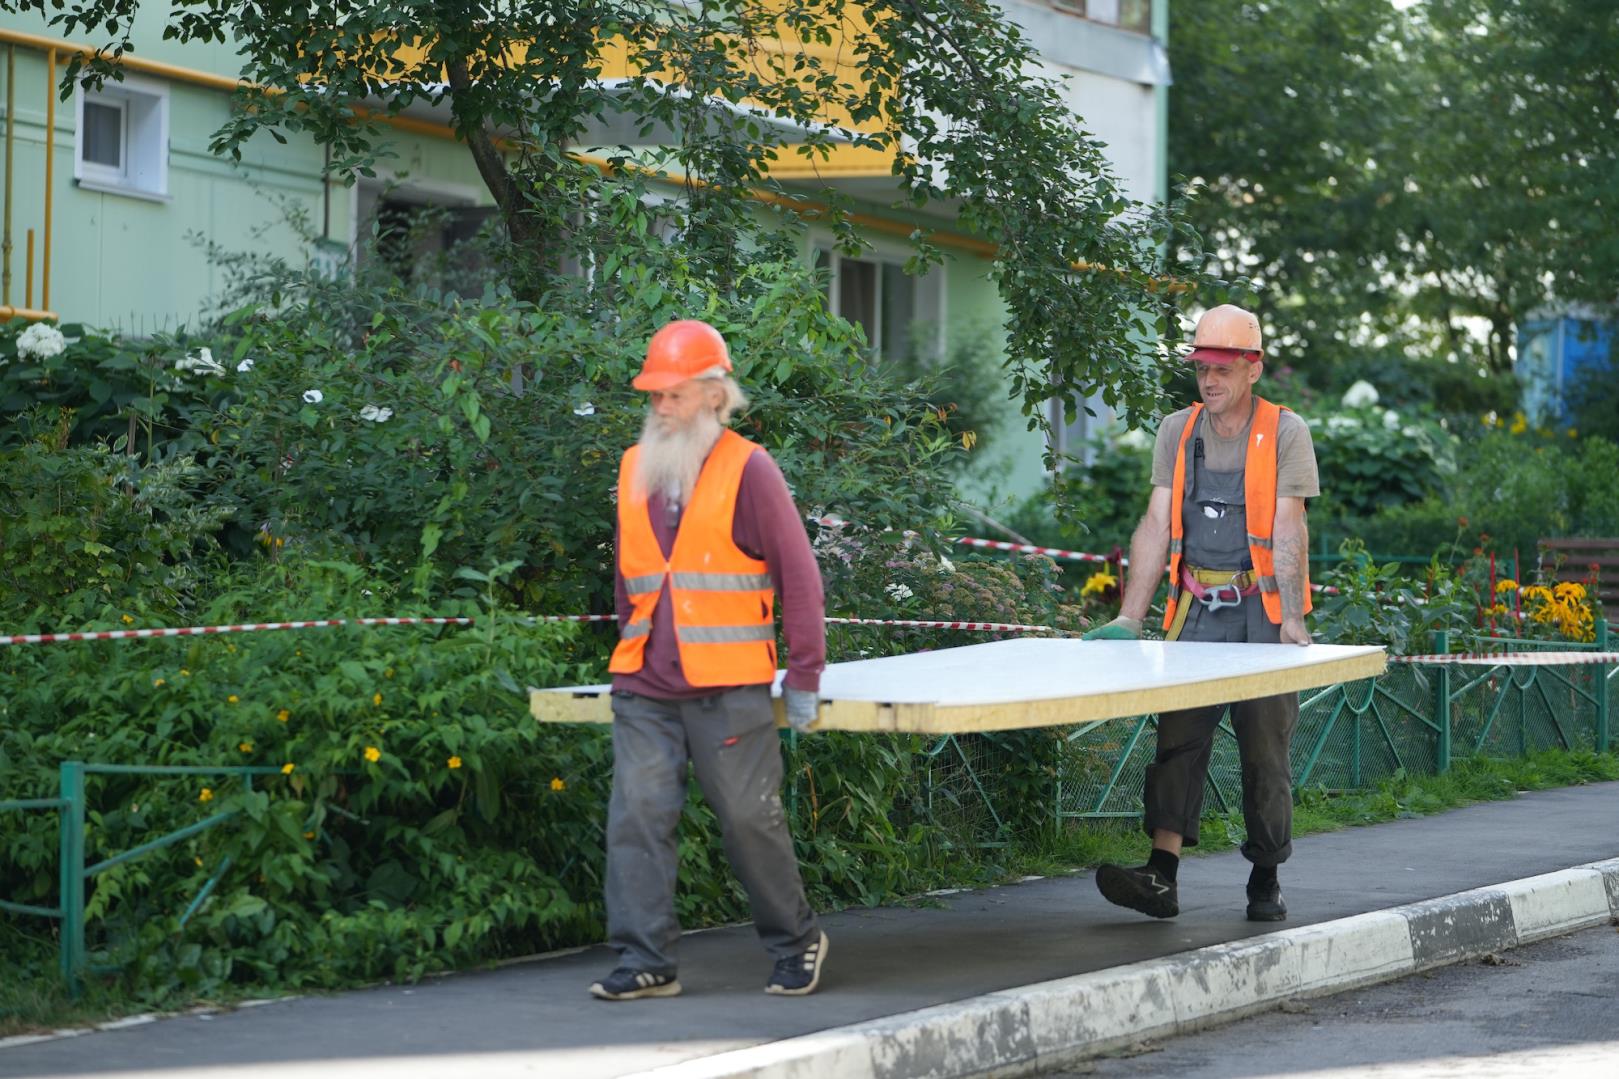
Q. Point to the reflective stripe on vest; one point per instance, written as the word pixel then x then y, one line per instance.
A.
pixel 1259 490
pixel 724 604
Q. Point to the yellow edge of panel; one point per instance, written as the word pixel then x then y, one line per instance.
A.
pixel 551 706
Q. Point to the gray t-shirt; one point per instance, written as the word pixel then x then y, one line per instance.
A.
pixel 1296 475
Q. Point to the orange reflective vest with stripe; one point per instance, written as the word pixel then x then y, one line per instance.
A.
pixel 723 600
pixel 1259 489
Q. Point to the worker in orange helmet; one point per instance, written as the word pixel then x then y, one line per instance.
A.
pixel 708 537
pixel 1230 476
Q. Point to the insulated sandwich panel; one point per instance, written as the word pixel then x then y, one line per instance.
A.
pixel 1035 682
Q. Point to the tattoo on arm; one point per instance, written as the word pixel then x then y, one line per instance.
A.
pixel 1292 566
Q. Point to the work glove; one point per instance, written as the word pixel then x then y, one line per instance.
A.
pixel 1120 629
pixel 803 708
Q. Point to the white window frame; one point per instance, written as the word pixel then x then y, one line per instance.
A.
pixel 934 278
pixel 143 172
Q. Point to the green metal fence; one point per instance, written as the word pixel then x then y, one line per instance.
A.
pixel 1416 718
pixel 977 789
pixel 74 874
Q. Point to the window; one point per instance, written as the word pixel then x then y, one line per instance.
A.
pixel 890 305
pixel 1135 15
pixel 122 138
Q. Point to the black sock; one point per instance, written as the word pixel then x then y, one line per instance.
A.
pixel 1262 876
pixel 1164 863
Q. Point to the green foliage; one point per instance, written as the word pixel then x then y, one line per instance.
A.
pixel 941 92
pixel 1373 604
pixel 1511 489
pixel 1371 459
pixel 1375 240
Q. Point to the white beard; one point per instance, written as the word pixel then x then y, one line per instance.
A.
pixel 672 455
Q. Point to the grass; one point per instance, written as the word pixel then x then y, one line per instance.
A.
pixel 33 999
pixel 1471 780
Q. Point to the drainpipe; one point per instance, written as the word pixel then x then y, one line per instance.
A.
pixel 11 123
pixel 50 163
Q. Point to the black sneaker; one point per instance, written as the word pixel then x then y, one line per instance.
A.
pixel 627 984
pixel 1265 903
pixel 798 975
pixel 1139 888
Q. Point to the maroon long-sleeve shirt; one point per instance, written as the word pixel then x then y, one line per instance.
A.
pixel 767 527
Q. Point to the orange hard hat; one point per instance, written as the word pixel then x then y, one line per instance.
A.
pixel 683 349
pixel 1226 333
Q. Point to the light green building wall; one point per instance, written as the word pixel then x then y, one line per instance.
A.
pixel 136 264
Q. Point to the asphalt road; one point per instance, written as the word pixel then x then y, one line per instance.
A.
pixel 1545 1010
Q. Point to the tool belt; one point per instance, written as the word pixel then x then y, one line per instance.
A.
pixel 1214 588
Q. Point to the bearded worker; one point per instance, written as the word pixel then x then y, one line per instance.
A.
pixel 1230 476
pixel 708 537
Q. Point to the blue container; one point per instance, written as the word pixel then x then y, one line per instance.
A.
pixel 1555 357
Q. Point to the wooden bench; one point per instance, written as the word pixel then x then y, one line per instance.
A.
pixel 1573 559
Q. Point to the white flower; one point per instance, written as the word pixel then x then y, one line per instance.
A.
pixel 374 414
pixel 945 565
pixel 245 366
pixel 1361 394
pixel 313 397
pixel 586 409
pixel 899 591
pixel 1391 419
pixel 1342 423
pixel 1135 439
pixel 203 363
pixel 41 342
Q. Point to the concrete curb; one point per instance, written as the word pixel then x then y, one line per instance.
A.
pixel 1051 1024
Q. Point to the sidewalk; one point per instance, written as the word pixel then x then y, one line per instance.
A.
pixel 973 967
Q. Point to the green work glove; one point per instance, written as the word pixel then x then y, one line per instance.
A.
pixel 1120 629
pixel 803 708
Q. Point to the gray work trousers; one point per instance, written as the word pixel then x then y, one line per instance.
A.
pixel 1173 794
pixel 729 739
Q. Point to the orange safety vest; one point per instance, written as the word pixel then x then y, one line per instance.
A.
pixel 1259 487
pixel 724 603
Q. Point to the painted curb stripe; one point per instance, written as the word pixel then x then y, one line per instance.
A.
pixel 1059 1022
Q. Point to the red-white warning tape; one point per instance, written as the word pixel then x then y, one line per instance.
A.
pixel 925 623
pixel 1514 659
pixel 1074 556
pixel 253 627
pixel 1029 548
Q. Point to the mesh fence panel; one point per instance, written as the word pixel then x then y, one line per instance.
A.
pixel 1352 735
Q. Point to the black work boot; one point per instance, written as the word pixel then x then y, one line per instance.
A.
pixel 1140 888
pixel 1265 898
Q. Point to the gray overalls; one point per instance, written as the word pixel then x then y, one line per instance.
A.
pixel 1215 536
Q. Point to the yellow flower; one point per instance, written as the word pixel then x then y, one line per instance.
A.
pixel 282 716
pixel 198 861
pixel 373 754
pixel 1100 581
pixel 280 541
pixel 454 762
pixel 969 439
pixel 1506 585
pixel 206 795
pixel 1520 424
pixel 184 673
pixel 376 698
pixel 1569 590
pixel 128 621
pixel 246 747
pixel 158 682
pixel 230 647
pixel 557 784
pixel 286 769
pixel 309 835
pixel 1573 432
pixel 233 699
